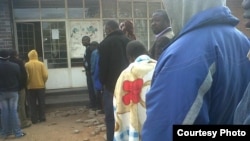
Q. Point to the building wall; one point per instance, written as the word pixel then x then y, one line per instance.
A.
pixel 237 10
pixel 6 32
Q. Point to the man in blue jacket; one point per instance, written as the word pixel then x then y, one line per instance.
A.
pixel 203 74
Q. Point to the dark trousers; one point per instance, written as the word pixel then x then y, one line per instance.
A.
pixel 91 91
pixel 99 99
pixel 37 104
pixel 109 114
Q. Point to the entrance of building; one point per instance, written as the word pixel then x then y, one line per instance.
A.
pixel 28 38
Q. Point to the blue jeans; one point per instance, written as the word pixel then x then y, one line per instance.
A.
pixel 109 114
pixel 9 115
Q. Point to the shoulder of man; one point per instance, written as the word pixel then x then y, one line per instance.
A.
pixel 169 34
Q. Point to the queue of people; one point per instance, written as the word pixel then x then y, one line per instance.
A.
pixel 196 72
pixel 18 79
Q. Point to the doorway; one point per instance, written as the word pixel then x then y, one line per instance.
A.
pixel 28 38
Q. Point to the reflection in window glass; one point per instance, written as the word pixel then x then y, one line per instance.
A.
pixel 92 9
pixel 75 9
pixel 54 41
pixel 26 9
pixel 31 13
pixel 140 9
pixel 125 9
pixel 141 31
pixel 51 9
pixel 109 9
pixel 153 6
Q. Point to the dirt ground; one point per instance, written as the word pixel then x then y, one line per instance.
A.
pixel 66 124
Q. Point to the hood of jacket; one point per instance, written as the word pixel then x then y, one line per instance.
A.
pixel 181 11
pixel 33 55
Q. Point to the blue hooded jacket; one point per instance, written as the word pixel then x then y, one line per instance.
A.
pixel 201 77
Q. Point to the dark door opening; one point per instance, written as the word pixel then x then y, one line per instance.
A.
pixel 28 38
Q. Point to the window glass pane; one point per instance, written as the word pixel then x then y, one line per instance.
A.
pixel 75 9
pixel 109 9
pixel 153 6
pixel 54 37
pixel 125 9
pixel 92 9
pixel 78 29
pixel 26 9
pixel 76 62
pixel 141 31
pixel 140 9
pixel 25 4
pixel 51 9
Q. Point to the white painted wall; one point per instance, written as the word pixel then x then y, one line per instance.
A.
pixel 66 78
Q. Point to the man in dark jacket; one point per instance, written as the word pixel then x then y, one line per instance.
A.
pixel 113 60
pixel 22 90
pixel 9 86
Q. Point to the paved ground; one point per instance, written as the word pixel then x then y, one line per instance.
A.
pixel 75 123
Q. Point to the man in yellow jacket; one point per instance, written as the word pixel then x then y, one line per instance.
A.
pixel 37 76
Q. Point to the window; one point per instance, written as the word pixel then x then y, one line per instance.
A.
pixel 109 9
pixel 26 9
pixel 92 9
pixel 54 40
pixel 125 9
pixel 51 9
pixel 75 9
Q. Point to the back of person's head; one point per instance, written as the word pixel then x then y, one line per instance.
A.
pixel 111 26
pixel 85 40
pixel 181 11
pixel 13 53
pixel 94 45
pixel 127 27
pixel 134 49
pixel 4 54
pixel 33 55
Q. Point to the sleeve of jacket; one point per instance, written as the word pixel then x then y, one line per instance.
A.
pixel 44 73
pixel 27 71
pixel 93 61
pixel 24 75
pixel 169 100
pixel 103 63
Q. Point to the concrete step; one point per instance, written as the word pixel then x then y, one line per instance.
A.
pixel 66 97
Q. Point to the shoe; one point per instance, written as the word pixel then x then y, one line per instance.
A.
pixel 28 124
pixel 21 135
pixel 34 122
pixel 42 120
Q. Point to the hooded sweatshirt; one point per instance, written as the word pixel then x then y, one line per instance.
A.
pixel 203 74
pixel 36 72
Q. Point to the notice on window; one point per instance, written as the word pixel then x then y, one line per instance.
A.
pixel 55 34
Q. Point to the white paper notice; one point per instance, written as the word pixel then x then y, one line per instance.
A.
pixel 55 34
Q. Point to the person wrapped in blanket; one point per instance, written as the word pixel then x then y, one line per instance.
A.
pixel 129 96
